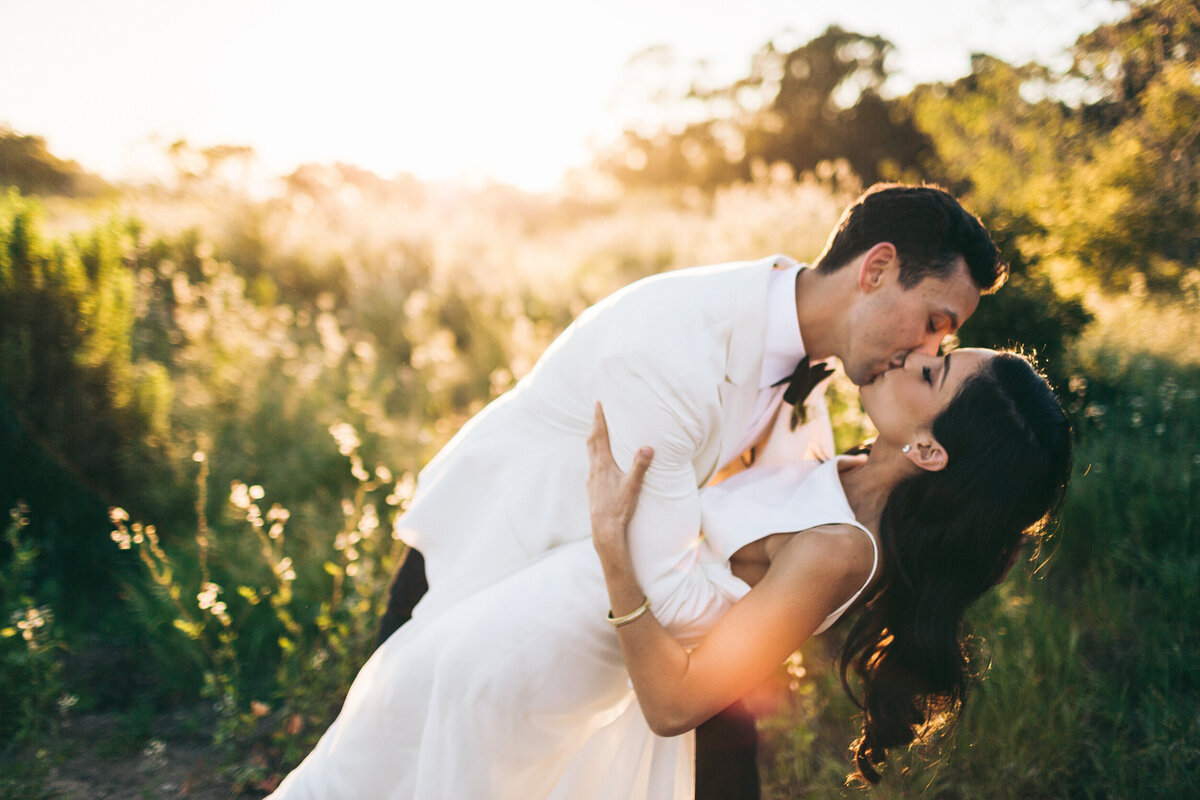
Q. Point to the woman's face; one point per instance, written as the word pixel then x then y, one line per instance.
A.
pixel 903 402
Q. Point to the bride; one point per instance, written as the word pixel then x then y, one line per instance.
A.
pixel 581 674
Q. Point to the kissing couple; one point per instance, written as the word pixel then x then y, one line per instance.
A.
pixel 641 531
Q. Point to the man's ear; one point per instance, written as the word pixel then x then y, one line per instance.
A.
pixel 875 265
pixel 928 454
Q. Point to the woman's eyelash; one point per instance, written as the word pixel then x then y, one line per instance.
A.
pixel 927 375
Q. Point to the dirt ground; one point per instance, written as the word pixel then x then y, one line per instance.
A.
pixel 94 757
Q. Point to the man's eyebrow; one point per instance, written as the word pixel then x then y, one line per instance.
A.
pixel 945 370
pixel 953 318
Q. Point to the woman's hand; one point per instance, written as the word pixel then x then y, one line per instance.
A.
pixel 679 688
pixel 612 494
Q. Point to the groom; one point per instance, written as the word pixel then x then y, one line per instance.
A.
pixel 696 364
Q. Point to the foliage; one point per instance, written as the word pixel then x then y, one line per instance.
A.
pixel 421 331
pixel 818 109
pixel 198 323
pixel 1091 682
pixel 30 646
pixel 1133 203
pixel 813 105
pixel 1102 159
pixel 1028 313
pixel 1124 59
pixel 26 164
pixel 1138 571
pixel 75 409
pixel 278 654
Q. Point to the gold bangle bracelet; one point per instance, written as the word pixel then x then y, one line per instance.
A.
pixel 632 616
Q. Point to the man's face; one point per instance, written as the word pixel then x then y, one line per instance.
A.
pixel 891 322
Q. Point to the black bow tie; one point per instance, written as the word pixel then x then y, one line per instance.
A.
pixel 804 380
pixel 800 385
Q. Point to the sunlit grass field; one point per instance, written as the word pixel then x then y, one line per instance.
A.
pixel 295 361
pixel 1090 676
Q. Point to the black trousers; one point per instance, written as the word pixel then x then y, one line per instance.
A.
pixel 726 745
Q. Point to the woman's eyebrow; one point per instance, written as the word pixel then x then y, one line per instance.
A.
pixel 945 370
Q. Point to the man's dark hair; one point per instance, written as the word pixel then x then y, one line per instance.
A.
pixel 928 228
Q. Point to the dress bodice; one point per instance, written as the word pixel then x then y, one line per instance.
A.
pixel 778 498
pixel 519 689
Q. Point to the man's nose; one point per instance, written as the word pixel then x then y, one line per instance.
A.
pixel 930 345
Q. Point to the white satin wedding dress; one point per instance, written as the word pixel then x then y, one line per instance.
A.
pixel 518 691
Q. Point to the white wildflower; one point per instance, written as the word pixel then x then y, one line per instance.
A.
pixel 284 569
pixel 369 522
pixel 239 495
pixel 207 598
pixel 346 437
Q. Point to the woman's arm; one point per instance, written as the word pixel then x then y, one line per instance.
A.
pixel 813 574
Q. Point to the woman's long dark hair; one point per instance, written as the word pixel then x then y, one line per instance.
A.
pixel 946 538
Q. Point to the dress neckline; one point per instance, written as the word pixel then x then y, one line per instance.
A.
pixel 827 477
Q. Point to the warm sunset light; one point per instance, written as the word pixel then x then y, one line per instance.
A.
pixel 640 399
pixel 516 91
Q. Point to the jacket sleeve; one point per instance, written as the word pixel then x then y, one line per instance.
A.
pixel 646 403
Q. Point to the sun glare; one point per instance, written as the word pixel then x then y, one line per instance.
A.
pixel 516 92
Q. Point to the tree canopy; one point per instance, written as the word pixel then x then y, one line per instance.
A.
pixel 27 164
pixel 819 102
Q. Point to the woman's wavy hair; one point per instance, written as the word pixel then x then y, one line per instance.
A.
pixel 946 537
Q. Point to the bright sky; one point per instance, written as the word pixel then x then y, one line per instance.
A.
pixel 515 90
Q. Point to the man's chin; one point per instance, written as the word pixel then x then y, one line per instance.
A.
pixel 862 379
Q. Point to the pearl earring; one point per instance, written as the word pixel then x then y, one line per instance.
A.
pixel 906 448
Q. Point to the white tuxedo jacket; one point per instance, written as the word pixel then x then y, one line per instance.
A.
pixel 675 359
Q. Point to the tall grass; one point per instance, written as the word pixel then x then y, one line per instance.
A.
pixel 278 631
pixel 1089 655
pixel 387 319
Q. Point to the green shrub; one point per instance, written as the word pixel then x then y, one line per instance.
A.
pixel 278 627
pixel 30 646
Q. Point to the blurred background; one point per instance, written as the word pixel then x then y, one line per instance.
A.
pixel 259 261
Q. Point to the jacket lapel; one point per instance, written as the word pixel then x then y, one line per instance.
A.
pixel 743 365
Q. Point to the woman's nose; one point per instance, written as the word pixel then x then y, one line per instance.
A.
pixel 918 360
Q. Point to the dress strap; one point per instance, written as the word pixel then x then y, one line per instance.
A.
pixel 779 498
pixel 832 618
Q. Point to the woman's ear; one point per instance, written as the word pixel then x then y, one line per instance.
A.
pixel 928 453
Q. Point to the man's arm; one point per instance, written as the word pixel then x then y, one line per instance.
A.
pixel 675 415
